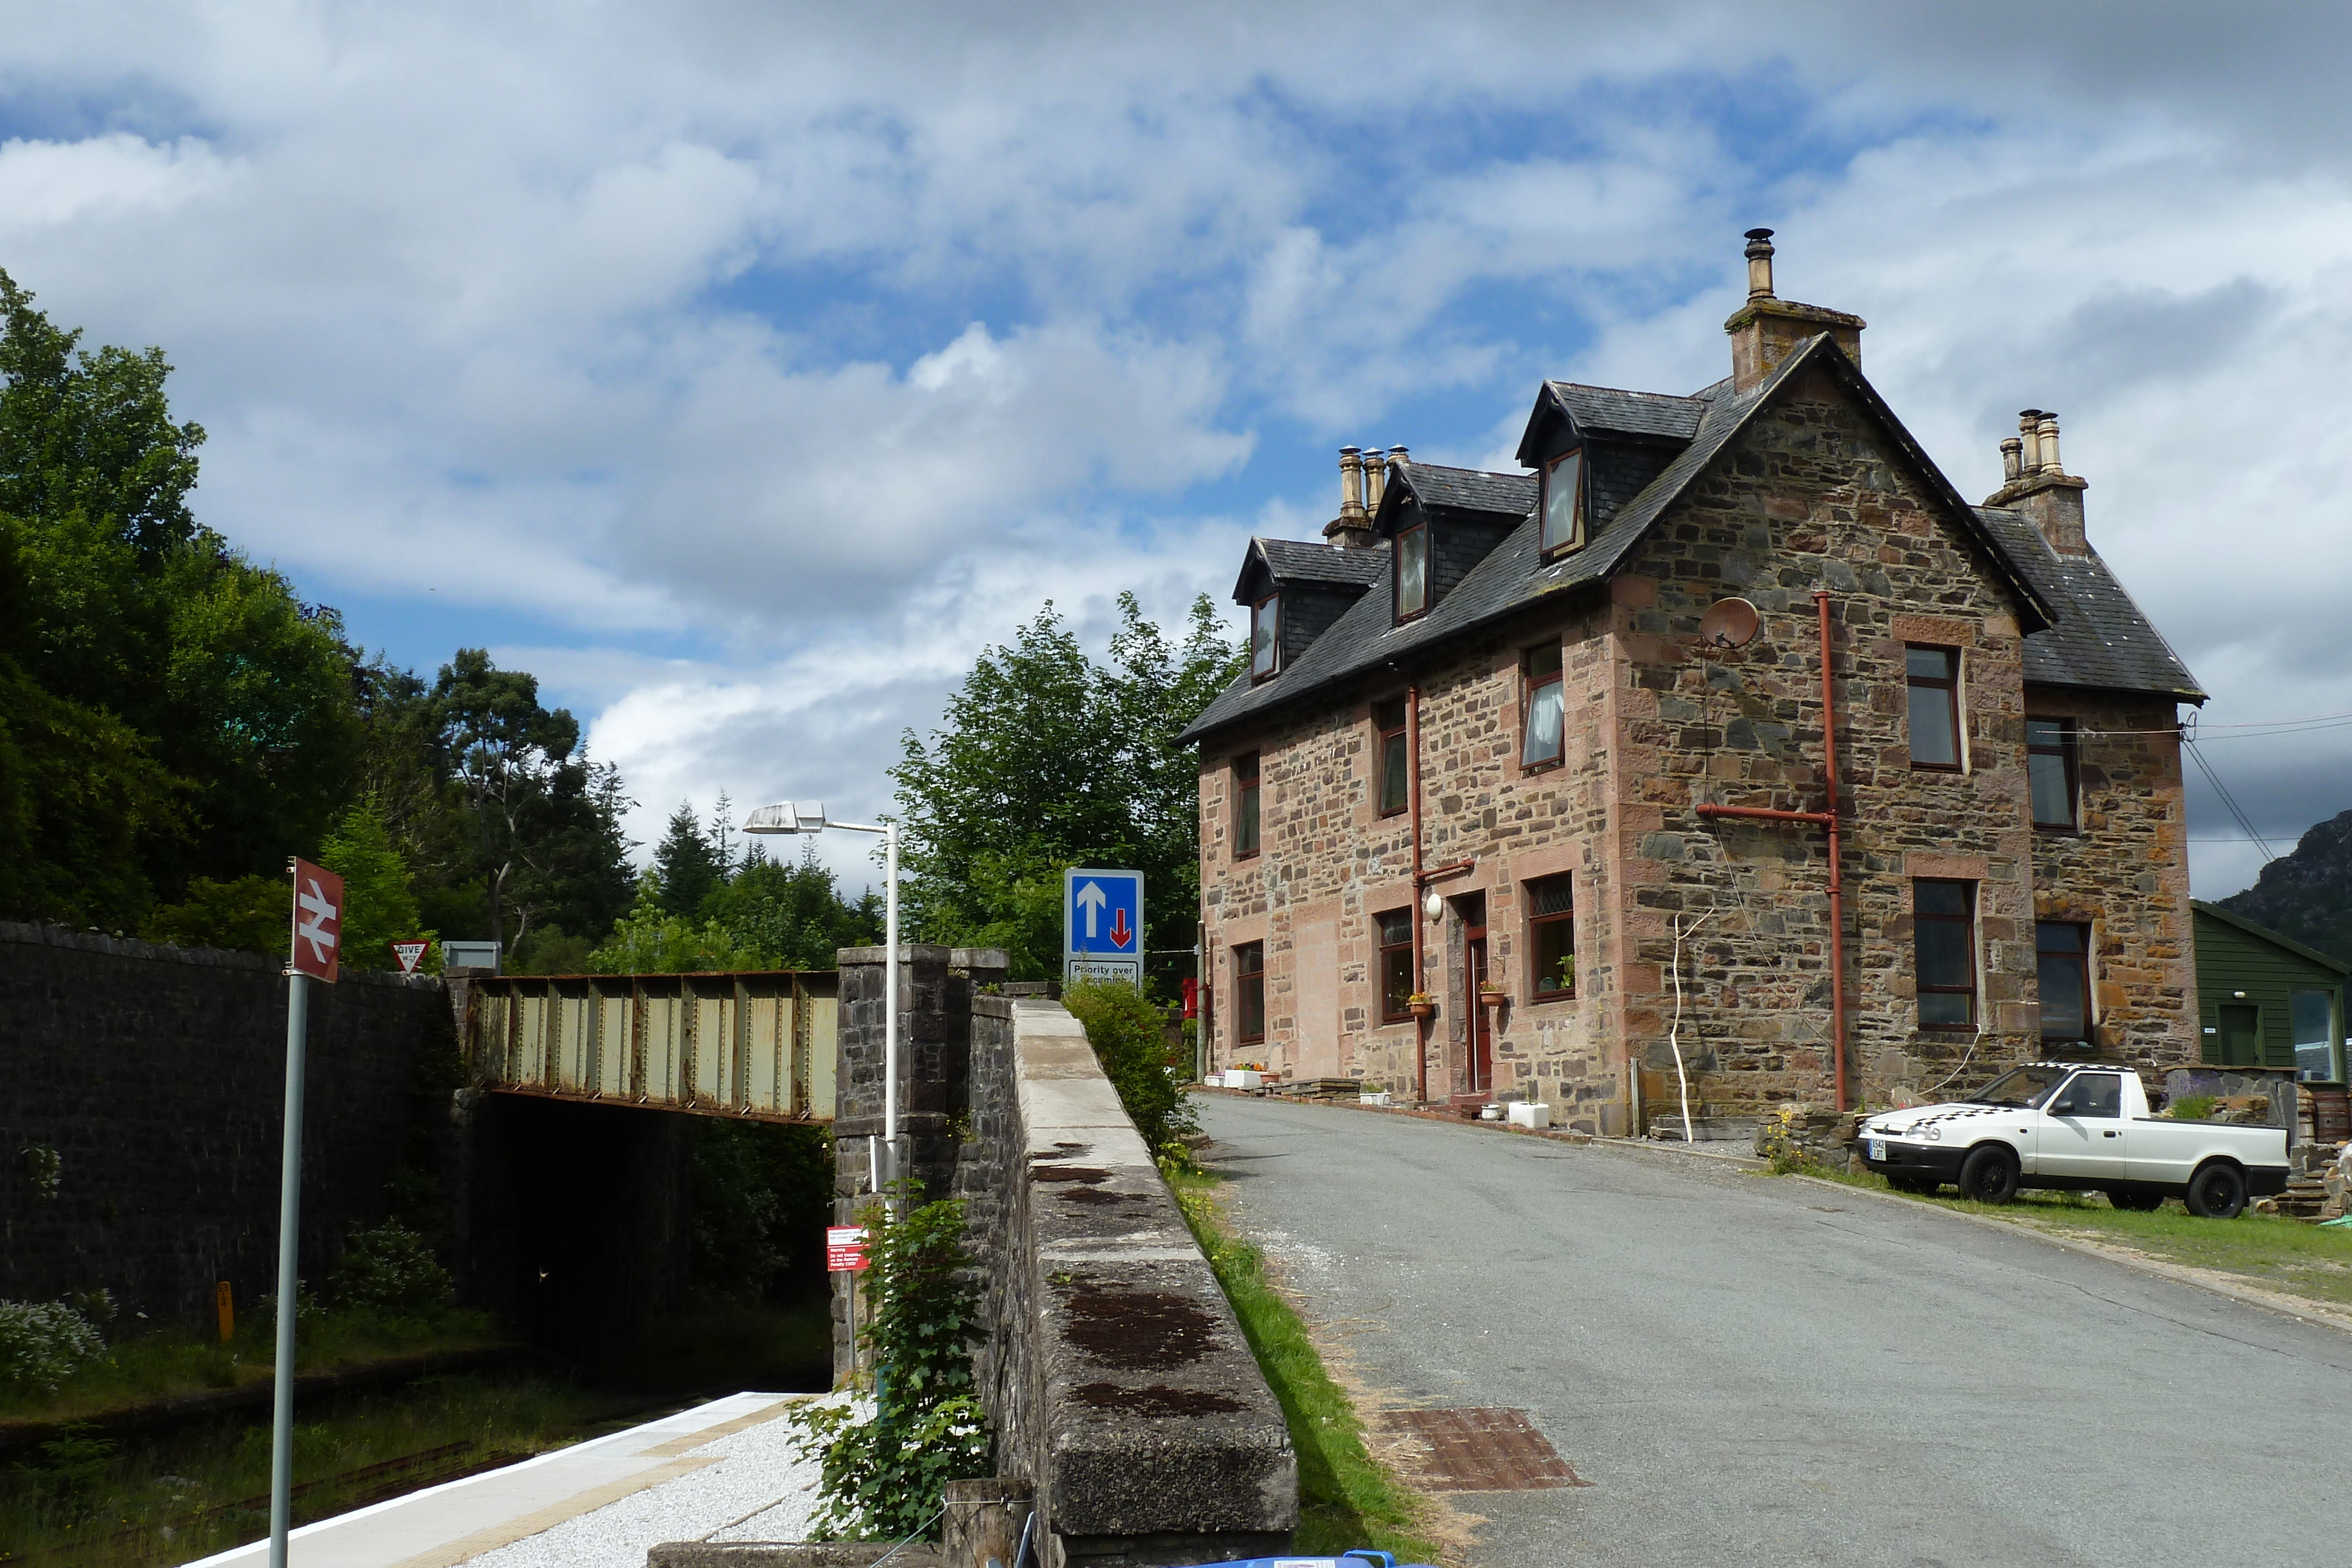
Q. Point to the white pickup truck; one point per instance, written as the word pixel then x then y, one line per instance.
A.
pixel 2078 1127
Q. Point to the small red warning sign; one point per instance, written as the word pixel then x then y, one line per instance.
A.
pixel 845 1248
pixel 410 954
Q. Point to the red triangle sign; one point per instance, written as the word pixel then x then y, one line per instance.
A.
pixel 410 954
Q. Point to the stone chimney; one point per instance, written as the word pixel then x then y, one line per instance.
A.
pixel 1352 529
pixel 1376 480
pixel 2034 482
pixel 1766 329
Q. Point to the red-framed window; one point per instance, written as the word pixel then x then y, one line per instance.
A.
pixel 1551 936
pixel 1412 571
pixel 1542 706
pixel 2051 770
pixel 1397 984
pixel 1933 676
pixel 2062 948
pixel 1249 993
pixel 1563 503
pixel 1245 806
pixel 1393 768
pixel 1265 639
pixel 1943 952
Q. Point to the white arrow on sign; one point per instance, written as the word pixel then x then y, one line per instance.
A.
pixel 311 927
pixel 1091 898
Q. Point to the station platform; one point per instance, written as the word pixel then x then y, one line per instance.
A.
pixel 720 1472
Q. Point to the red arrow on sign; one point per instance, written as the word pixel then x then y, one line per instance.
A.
pixel 1121 933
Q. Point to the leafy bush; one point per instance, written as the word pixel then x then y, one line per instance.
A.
pixel 1131 1040
pixel 885 1464
pixel 42 1343
pixel 2190 1107
pixel 390 1270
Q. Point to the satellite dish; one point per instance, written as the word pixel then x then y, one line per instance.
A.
pixel 1728 623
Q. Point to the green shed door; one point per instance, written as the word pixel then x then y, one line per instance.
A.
pixel 2242 1035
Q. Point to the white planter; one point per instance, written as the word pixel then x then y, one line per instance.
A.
pixel 1380 1099
pixel 1490 1112
pixel 1525 1116
pixel 1235 1078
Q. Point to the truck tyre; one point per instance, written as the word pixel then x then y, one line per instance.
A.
pixel 1989 1174
pixel 2135 1202
pixel 2218 1191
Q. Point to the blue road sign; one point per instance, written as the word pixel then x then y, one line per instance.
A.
pixel 1102 913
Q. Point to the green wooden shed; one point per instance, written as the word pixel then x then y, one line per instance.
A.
pixel 2267 1000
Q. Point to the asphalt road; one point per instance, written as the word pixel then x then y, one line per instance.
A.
pixel 1751 1371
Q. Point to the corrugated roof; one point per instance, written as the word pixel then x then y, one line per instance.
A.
pixel 2102 638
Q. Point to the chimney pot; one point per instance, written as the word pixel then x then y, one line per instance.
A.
pixel 2049 433
pixel 1760 264
pixel 1376 474
pixel 1351 485
pixel 2029 438
pixel 2012 461
pixel 1398 455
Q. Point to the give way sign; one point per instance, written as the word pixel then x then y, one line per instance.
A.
pixel 318 921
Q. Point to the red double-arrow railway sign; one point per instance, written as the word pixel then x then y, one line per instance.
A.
pixel 318 922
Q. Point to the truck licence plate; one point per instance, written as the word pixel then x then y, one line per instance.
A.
pixel 1878 1149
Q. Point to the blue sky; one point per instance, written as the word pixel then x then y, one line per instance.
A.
pixel 743 369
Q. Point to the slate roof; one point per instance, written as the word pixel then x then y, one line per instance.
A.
pixel 1467 489
pixel 1300 561
pixel 1366 637
pixel 1612 411
pixel 2101 640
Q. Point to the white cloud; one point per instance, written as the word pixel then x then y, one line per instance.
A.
pixel 819 345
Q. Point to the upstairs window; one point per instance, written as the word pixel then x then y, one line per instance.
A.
pixel 1933 677
pixel 2063 950
pixel 1552 936
pixel 1944 951
pixel 1540 705
pixel 1394 766
pixel 2050 763
pixel 1396 965
pixel 1563 502
pixel 1264 646
pixel 1412 571
pixel 1249 993
pixel 1245 806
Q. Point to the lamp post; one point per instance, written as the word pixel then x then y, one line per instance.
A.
pixel 808 817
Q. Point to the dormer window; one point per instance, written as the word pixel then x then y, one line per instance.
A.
pixel 1563 502
pixel 1265 636
pixel 1412 571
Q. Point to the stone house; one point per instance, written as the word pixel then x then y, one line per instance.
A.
pixel 1524 792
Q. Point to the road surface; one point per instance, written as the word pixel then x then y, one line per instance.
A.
pixel 1754 1371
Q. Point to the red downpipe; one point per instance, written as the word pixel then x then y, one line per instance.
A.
pixel 1829 820
pixel 1412 793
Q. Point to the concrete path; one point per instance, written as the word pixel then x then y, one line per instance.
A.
pixel 1767 1372
pixel 598 1504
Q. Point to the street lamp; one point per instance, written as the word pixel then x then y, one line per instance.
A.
pixel 808 817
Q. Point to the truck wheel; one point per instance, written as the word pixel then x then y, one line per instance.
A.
pixel 2218 1192
pixel 1989 1174
pixel 2135 1202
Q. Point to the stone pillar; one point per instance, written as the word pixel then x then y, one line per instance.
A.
pixel 935 991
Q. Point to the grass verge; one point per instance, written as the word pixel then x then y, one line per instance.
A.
pixel 2276 1253
pixel 1346 1497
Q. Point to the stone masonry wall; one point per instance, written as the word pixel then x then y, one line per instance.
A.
pixel 158 1075
pixel 2126 874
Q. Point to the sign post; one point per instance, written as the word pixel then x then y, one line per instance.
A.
pixel 1102 926
pixel 316 954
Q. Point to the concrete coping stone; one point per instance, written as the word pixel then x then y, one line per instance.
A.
pixel 1157 1418
pixel 786 1554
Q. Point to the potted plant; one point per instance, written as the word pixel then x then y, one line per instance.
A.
pixel 1567 967
pixel 1421 1005
pixel 1491 992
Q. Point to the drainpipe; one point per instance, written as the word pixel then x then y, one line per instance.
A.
pixel 1828 819
pixel 1413 796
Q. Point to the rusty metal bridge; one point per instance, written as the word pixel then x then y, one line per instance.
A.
pixel 755 1044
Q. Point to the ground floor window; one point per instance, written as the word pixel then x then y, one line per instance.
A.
pixel 1397 985
pixel 2065 963
pixel 1552 936
pixel 1944 944
pixel 1249 993
pixel 2313 1014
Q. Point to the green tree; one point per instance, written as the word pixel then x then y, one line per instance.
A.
pixel 687 864
pixel 1047 760
pixel 794 914
pixel 378 908
pixel 1129 1036
pixel 650 940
